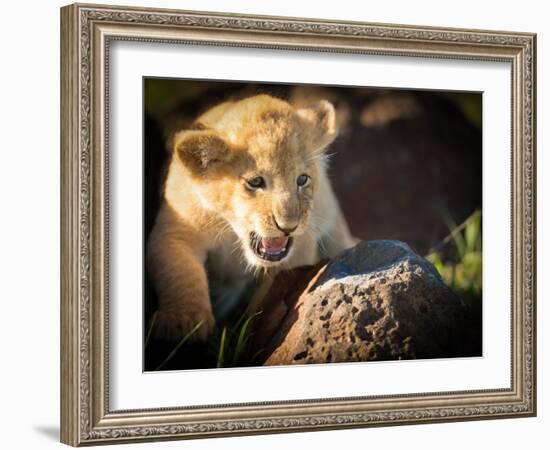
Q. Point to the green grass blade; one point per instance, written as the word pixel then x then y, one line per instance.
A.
pixel 242 339
pixel 258 353
pixel 221 350
pixel 180 343
pixel 437 262
pixel 472 233
pixel 150 330
pixel 457 237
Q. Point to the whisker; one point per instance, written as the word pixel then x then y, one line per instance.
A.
pixel 318 241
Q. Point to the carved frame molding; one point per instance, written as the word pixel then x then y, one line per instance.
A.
pixel 86 31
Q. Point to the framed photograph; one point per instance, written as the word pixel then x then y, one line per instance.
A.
pixel 276 224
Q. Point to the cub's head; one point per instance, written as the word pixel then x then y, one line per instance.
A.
pixel 257 163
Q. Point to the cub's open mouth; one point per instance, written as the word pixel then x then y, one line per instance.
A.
pixel 270 249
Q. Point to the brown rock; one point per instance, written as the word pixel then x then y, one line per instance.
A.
pixel 377 301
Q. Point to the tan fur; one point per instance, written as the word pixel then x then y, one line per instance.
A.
pixel 208 211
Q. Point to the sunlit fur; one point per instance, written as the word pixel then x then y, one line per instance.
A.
pixel 209 211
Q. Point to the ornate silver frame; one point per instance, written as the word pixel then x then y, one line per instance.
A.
pixel 86 31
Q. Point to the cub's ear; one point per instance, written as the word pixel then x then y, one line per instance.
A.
pixel 201 151
pixel 320 120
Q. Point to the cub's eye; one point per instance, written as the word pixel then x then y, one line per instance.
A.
pixel 255 183
pixel 302 180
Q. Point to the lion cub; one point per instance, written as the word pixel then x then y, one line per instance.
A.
pixel 246 188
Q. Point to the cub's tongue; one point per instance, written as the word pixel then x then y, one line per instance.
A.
pixel 274 245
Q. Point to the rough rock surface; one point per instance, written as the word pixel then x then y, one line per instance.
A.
pixel 377 301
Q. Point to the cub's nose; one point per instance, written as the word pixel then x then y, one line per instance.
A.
pixel 285 226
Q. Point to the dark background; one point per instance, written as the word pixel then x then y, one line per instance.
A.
pixel 406 163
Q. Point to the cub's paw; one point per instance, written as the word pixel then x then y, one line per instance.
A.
pixel 174 325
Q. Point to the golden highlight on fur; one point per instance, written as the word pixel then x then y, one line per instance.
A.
pixel 246 194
